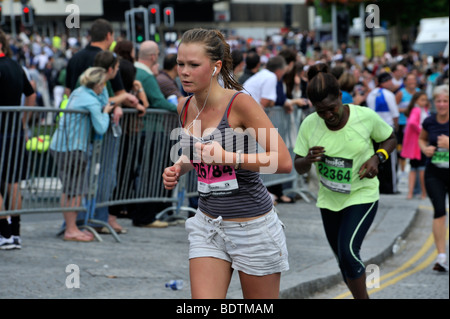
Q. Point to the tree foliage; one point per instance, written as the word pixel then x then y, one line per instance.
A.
pixel 403 13
pixel 409 12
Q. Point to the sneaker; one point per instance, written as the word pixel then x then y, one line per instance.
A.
pixel 441 264
pixel 17 242
pixel 6 243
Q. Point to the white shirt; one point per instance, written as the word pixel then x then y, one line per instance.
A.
pixel 389 110
pixel 262 85
pixel 144 67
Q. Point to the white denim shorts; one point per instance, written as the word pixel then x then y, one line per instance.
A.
pixel 256 247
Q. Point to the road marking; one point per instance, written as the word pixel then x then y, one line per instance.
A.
pixel 422 251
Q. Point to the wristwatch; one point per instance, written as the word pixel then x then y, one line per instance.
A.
pixel 381 157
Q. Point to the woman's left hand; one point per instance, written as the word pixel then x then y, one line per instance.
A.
pixel 210 153
pixel 442 141
pixel 370 168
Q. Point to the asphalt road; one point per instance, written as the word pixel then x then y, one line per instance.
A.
pixel 407 274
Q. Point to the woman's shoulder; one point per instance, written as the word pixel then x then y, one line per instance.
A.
pixel 362 110
pixel 181 103
pixel 241 102
pixel 416 110
pixel 310 120
pixel 239 98
pixel 430 120
pixel 84 96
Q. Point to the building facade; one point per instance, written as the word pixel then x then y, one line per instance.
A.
pixel 248 16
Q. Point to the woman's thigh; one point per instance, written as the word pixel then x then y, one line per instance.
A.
pixel 260 287
pixel 210 277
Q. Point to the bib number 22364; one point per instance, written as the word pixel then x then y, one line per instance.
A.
pixel 336 174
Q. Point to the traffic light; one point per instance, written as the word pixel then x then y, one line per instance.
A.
pixel 343 26
pixel 27 15
pixel 140 25
pixel 169 17
pixel 154 14
pixel 288 15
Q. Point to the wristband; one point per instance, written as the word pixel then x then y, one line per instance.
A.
pixel 238 160
pixel 383 151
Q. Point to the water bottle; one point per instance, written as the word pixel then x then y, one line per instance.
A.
pixel 399 245
pixel 173 99
pixel 116 129
pixel 175 284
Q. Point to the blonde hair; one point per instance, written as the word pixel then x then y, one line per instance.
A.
pixel 347 82
pixel 93 76
pixel 441 89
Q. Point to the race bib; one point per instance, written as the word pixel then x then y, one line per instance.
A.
pixel 216 180
pixel 440 158
pixel 336 174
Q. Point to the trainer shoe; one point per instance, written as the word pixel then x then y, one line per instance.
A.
pixel 441 264
pixel 6 243
pixel 17 242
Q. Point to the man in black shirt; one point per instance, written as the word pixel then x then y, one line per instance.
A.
pixel 102 36
pixel 252 65
pixel 13 83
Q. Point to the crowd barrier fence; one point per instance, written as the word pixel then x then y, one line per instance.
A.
pixel 119 170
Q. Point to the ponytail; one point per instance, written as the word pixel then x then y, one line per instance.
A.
pixel 321 83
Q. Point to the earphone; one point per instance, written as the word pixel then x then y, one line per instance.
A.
pixel 215 69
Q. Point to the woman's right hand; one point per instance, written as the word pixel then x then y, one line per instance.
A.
pixel 315 154
pixel 170 176
pixel 108 108
pixel 303 164
pixel 429 150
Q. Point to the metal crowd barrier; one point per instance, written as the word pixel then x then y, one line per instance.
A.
pixel 121 170
pixel 288 126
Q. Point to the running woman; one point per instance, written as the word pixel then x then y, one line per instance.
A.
pixel 338 140
pixel 235 227
pixel 433 141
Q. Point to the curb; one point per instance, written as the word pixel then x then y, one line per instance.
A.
pixel 308 288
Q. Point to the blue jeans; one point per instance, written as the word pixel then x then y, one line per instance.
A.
pixel 107 178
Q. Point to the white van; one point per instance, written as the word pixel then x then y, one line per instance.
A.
pixel 432 39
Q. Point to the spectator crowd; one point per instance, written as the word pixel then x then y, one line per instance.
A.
pixel 273 71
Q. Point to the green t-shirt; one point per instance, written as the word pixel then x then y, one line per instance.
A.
pixel 346 150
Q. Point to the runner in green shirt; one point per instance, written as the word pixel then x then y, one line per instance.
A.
pixel 339 140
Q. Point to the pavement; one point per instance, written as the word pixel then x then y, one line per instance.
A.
pixel 146 258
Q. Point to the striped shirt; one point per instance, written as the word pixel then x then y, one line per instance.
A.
pixel 168 85
pixel 223 190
